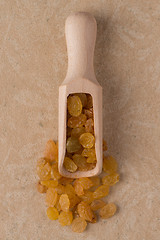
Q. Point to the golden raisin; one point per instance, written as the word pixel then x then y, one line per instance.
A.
pixel 83 98
pixel 89 152
pixel 97 204
pixel 87 197
pixel 76 132
pixel 54 172
pixel 108 210
pixel 96 181
pixel 73 145
pixel 88 112
pixel 89 126
pixel 60 189
pixel 65 218
pixel 80 161
pixel 87 140
pixel 111 179
pixel 69 165
pixel 109 165
pixel 50 183
pixel 51 151
pixel 78 188
pixel 69 190
pixel 64 202
pixel 85 182
pixel 43 169
pixel 52 213
pixel 89 101
pixel 51 197
pixel 75 122
pixel 74 201
pixel 101 192
pixel 41 188
pixel 79 225
pixel 65 181
pixel 85 211
pixel 91 160
pixel 74 105
pixel 90 166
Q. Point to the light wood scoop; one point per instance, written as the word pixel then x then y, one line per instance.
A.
pixel 80 31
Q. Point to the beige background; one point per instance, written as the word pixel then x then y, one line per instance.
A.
pixel 33 63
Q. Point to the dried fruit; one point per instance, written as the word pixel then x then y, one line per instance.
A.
pixel 89 126
pixel 64 202
pixel 73 145
pixel 60 189
pixel 65 218
pixel 108 210
pixel 43 169
pixel 69 190
pixel 101 192
pixel 109 165
pixel 78 188
pixel 87 197
pixel 80 161
pixel 76 132
pixel 97 204
pixel 85 182
pixel 50 183
pixel 96 181
pixel 51 197
pixel 54 172
pixel 79 225
pixel 89 152
pixel 74 201
pixel 91 160
pixel 51 151
pixel 89 101
pixel 75 122
pixel 90 166
pixel 74 105
pixel 87 140
pixel 65 181
pixel 83 98
pixel 69 165
pixel 41 188
pixel 52 213
pixel 85 211
pixel 111 179
pixel 88 112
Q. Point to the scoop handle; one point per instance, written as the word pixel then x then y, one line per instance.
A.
pixel 80 31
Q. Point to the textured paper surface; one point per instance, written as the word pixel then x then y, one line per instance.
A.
pixel 33 63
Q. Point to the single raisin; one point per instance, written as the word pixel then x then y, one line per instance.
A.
pixel 108 210
pixel 79 225
pixel 52 213
pixel 87 140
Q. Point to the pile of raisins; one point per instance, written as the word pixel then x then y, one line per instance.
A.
pixel 76 202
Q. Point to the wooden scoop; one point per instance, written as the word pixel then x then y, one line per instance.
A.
pixel 80 31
